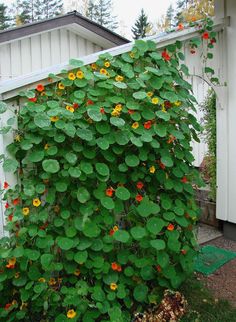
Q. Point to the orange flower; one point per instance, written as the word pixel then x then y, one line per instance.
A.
pixel 113 286
pixel 180 26
pixel 171 139
pixel 7 205
pixel 183 251
pixel 114 266
pixel 54 118
pixel 71 76
pixel 7 306
pixel 93 66
pixel 139 185
pixel 135 125
pixel 147 125
pixel 111 232
pixel 61 86
pixel 109 192
pixel 32 99
pixel 40 88
pixel 115 228
pixel 139 198
pixel 170 227
pixel 11 263
pixel 75 105
pixel 10 217
pixel 165 55
pixel 184 180
pixel 52 281
pixel 119 268
pixel 162 166
pixel 5 185
pixel 89 102
pixel 103 71
pixel 70 108
pixel 16 201
pixel 102 110
pixel 131 112
pixel 205 35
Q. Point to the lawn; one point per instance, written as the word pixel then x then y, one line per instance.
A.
pixel 203 306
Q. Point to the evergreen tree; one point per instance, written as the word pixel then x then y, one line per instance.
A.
pixel 101 12
pixel 141 26
pixel 4 18
pixel 34 10
pixel 170 16
pixel 181 5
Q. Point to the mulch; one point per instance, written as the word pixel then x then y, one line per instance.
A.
pixel 223 281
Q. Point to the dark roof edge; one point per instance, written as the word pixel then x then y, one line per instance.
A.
pixel 60 21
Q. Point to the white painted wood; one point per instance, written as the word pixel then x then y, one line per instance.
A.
pixel 26 65
pixel 72 45
pixel 15 51
pixel 36 57
pixel 64 44
pixel 81 45
pixel 46 49
pixel 5 62
pixel 55 47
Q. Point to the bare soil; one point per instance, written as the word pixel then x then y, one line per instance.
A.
pixel 223 281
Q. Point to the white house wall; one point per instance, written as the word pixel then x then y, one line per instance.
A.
pixel 24 56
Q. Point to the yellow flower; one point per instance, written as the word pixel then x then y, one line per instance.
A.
pixel 17 275
pixel 77 272
pixel 52 281
pixel 149 94
pixel 70 108
pixel 17 138
pixel 107 64
pixel 177 103
pixel 46 146
pixel 71 314
pixel 131 54
pixel 115 228
pixel 36 202
pixel 115 112
pixel 93 66
pixel 54 118
pixel 80 74
pixel 25 211
pixel 118 107
pixel 103 71
pixel 61 86
pixel 119 78
pixel 152 169
pixel 155 100
pixel 113 286
pixel 42 280
pixel 163 109
pixel 71 76
pixel 135 125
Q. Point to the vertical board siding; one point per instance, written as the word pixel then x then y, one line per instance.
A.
pixel 26 66
pixel 55 47
pixel 36 55
pixel 46 50
pixel 5 62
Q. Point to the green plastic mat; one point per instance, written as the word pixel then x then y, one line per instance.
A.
pixel 211 258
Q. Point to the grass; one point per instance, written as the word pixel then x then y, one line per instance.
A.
pixel 203 307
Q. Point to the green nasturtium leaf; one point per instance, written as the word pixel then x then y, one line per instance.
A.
pixel 122 193
pixel 51 166
pixel 121 236
pixel 83 195
pixel 117 121
pixel 102 169
pixel 132 160
pixel 10 165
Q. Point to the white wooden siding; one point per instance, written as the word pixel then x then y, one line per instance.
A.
pixel 24 56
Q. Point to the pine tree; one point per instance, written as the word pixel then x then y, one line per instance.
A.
pixel 170 16
pixel 181 5
pixel 101 12
pixel 33 10
pixel 141 26
pixel 4 18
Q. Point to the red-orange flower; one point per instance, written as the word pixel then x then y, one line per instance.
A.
pixel 192 51
pixel 16 201
pixel 171 139
pixel 180 26
pixel 139 198
pixel 89 102
pixel 205 35
pixel 7 306
pixel 165 55
pixel 139 185
pixel 213 41
pixel 10 217
pixel 5 185
pixel 75 105
pixel 40 88
pixel 158 268
pixel 7 205
pixel 184 179
pixel 147 125
pixel 111 232
pixel 131 112
pixel 183 251
pixel 32 99
pixel 170 227
pixel 114 266
pixel 109 192
pixel 161 165
pixel 167 104
pixel 102 110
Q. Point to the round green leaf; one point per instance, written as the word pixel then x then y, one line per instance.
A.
pixel 65 243
pixel 140 292
pixel 117 121
pixel 95 115
pixel 121 236
pixel 10 165
pixel 102 169
pixel 74 172
pixel 155 225
pixel 107 203
pixel 132 160
pixel 42 120
pixel 51 166
pixel 122 193
pixel 83 195
pixel 138 232
pixel 158 244
pixel 167 161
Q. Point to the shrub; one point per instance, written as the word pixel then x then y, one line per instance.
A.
pixel 103 216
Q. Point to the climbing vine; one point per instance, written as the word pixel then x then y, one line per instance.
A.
pixel 103 216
